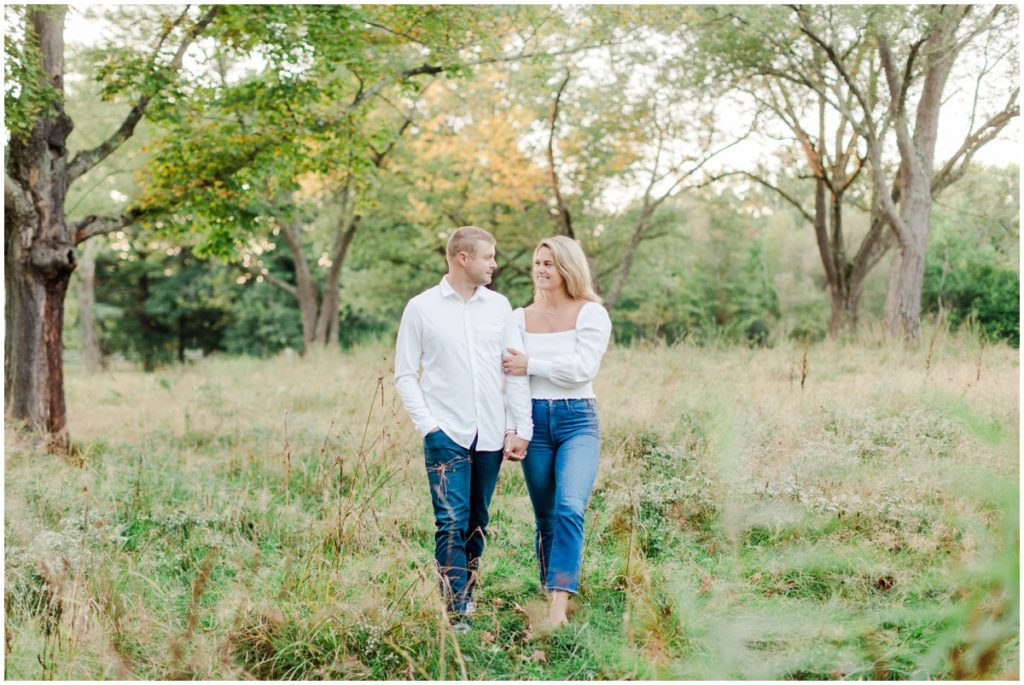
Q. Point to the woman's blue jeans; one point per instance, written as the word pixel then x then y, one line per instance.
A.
pixel 461 485
pixel 560 468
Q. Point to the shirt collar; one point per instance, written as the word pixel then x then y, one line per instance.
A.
pixel 448 291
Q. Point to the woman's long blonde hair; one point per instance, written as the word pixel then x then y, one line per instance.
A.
pixel 572 266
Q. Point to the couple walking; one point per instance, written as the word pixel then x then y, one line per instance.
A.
pixel 497 385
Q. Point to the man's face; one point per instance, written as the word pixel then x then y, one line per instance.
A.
pixel 480 265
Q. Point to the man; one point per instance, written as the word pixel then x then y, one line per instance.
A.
pixel 467 411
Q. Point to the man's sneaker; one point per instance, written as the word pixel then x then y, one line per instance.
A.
pixel 461 624
pixel 462 621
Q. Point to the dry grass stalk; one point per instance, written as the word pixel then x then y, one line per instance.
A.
pixel 804 366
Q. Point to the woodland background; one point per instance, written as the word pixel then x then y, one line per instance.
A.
pixel 295 186
pixel 804 221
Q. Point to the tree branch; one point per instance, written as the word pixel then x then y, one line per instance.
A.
pixel 701 163
pixel 782 193
pixel 564 219
pixel 15 198
pixel 771 186
pixel 903 139
pixel 270 278
pixel 407 121
pixel 955 167
pixel 836 61
pixel 873 247
pixel 93 225
pixel 280 283
pixel 393 32
pixel 86 160
pixel 908 70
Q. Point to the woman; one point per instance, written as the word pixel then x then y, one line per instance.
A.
pixel 565 334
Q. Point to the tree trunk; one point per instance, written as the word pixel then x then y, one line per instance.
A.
pixel 308 298
pixel 837 314
pixel 627 259
pixel 563 220
pixel 34 370
pixel 841 272
pixel 903 300
pixel 147 323
pixel 326 319
pixel 181 339
pixel 40 254
pixel 857 277
pixel 917 153
pixel 825 253
pixel 906 281
pixel 327 326
pixel 305 287
pixel 87 308
pixel 334 328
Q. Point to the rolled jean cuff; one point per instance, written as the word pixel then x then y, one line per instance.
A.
pixel 563 589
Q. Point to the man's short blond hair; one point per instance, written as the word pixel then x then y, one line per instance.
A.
pixel 466 239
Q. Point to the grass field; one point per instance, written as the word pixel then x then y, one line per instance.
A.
pixel 237 518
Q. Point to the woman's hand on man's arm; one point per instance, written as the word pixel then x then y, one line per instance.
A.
pixel 514 362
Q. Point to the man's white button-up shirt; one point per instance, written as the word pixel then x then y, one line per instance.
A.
pixel 459 345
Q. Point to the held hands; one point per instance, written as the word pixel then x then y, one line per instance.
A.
pixel 515 447
pixel 514 362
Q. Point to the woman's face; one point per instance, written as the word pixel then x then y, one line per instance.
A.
pixel 545 274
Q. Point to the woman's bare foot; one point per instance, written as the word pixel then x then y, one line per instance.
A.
pixel 557 608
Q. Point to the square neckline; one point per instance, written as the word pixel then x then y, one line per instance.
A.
pixel 575 324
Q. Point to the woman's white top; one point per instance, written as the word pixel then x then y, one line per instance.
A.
pixel 563 365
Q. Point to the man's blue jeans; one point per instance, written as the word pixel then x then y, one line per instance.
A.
pixel 461 485
pixel 560 468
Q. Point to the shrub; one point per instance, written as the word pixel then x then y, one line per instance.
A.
pixel 975 291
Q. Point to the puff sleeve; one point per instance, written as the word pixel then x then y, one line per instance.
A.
pixel 593 331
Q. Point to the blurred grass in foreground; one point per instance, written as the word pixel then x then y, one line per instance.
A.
pixel 241 518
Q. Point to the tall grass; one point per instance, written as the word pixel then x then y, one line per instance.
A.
pixel 844 511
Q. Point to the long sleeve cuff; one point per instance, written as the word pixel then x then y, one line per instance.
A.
pixel 539 367
pixel 525 432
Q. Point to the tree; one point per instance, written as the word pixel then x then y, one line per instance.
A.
pixel 879 69
pixel 105 189
pixel 166 302
pixel 87 306
pixel 948 32
pixel 294 202
pixel 311 133
pixel 40 242
pixel 646 128
pixel 563 221
pixel 663 169
pixel 917 50
pixel 830 152
pixel 705 280
pixel 471 168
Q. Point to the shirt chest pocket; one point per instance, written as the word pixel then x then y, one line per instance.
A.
pixel 489 338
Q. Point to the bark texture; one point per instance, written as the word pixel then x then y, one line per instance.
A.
pixel 917 153
pixel 40 255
